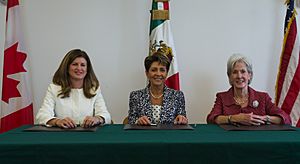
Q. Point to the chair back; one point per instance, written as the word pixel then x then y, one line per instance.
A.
pixel 125 121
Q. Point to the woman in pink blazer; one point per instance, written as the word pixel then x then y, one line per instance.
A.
pixel 242 104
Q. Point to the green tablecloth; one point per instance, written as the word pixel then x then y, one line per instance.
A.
pixel 111 144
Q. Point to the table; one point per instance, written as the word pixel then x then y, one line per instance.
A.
pixel 111 144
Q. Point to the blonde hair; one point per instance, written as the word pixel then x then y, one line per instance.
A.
pixel 233 59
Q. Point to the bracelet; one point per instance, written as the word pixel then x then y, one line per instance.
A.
pixel 268 120
pixel 229 119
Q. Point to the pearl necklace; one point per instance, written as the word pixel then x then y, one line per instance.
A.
pixel 240 101
pixel 156 97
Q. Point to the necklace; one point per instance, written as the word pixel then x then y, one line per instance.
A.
pixel 240 101
pixel 156 97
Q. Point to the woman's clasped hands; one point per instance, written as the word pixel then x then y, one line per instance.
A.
pixel 179 120
pixel 88 122
pixel 249 119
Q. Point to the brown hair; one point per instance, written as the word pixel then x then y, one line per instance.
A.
pixel 157 57
pixel 62 77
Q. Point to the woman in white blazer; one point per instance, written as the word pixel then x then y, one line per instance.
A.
pixel 74 97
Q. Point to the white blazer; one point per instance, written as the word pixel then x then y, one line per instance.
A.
pixel 77 106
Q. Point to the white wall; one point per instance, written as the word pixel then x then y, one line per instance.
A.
pixel 115 35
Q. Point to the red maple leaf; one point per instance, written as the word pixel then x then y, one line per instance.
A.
pixel 13 63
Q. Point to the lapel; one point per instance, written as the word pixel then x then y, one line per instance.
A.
pixel 228 97
pixel 165 99
pixel 148 109
pixel 166 103
pixel 252 97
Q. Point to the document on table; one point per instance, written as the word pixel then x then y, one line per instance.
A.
pixel 41 128
pixel 260 127
pixel 158 127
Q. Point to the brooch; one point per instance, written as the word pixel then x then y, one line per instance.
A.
pixel 255 103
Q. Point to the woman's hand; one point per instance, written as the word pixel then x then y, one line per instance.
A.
pixel 181 120
pixel 143 121
pixel 272 119
pixel 66 123
pixel 248 119
pixel 90 121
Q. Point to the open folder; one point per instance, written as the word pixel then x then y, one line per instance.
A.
pixel 158 127
pixel 261 127
pixel 40 128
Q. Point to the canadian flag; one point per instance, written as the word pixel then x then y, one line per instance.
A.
pixel 16 98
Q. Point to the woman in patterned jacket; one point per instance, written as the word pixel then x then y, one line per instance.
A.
pixel 157 104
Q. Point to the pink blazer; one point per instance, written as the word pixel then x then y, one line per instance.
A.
pixel 260 103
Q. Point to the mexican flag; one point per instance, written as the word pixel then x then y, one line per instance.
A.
pixel 161 38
